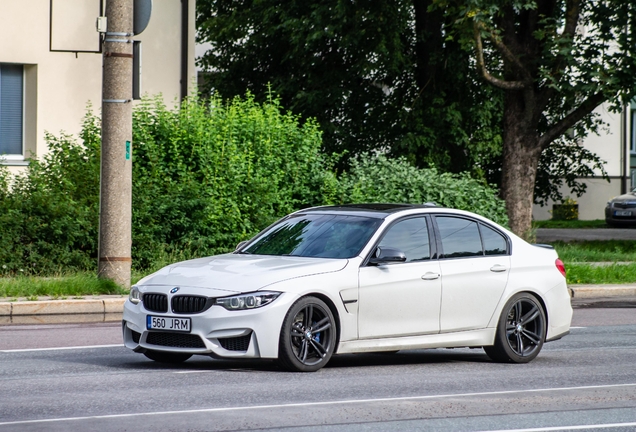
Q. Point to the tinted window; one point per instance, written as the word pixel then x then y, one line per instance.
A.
pixel 460 237
pixel 326 236
pixel 411 237
pixel 494 243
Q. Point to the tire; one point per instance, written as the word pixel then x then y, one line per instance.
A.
pixel 520 332
pixel 308 336
pixel 167 357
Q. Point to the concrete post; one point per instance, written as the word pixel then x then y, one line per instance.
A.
pixel 115 216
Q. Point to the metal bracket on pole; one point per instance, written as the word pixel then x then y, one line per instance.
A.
pixel 118 34
pixel 116 100
pixel 118 40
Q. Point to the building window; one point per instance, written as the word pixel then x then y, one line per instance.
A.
pixel 11 110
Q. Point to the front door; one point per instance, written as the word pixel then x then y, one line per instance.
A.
pixel 401 299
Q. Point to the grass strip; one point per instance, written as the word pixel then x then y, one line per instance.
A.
pixel 597 223
pixel 596 251
pixel 60 287
pixel 611 274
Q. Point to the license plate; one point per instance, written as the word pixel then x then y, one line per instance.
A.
pixel 622 213
pixel 168 323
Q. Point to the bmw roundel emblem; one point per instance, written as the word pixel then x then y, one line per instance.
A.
pixel 174 290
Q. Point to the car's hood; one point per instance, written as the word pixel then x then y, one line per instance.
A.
pixel 240 273
pixel 625 197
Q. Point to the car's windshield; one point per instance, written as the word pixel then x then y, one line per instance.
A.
pixel 310 235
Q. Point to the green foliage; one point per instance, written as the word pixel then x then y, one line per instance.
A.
pixel 567 210
pixel 596 223
pixel 556 61
pixel 597 251
pixel 57 287
pixel 206 176
pixel 375 75
pixel 49 214
pixel 379 179
pixel 611 274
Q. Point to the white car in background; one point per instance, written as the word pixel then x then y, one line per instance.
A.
pixel 351 279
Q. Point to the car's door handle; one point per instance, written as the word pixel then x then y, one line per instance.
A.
pixel 430 276
pixel 498 268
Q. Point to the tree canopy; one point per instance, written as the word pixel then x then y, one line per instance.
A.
pixel 556 61
pixel 490 86
pixel 376 75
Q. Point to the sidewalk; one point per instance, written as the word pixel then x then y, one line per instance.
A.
pixel 112 306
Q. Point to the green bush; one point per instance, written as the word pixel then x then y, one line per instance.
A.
pixel 205 176
pixel 208 176
pixel 49 214
pixel 379 179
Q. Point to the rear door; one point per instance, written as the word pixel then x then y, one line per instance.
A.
pixel 474 263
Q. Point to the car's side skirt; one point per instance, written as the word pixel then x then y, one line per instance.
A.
pixel 470 338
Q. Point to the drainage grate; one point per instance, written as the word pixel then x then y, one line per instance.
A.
pixel 175 340
pixel 155 302
pixel 240 343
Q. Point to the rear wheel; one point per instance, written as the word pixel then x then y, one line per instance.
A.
pixel 520 331
pixel 167 357
pixel 308 336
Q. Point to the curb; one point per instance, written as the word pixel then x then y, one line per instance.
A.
pixel 63 307
pixel 602 291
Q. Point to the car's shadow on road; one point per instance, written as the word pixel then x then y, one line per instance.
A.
pixel 196 364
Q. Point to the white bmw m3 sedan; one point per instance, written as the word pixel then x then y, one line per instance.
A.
pixel 351 279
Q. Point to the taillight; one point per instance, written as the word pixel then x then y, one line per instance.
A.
pixel 560 266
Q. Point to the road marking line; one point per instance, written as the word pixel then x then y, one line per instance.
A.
pixel 60 348
pixel 310 404
pixel 560 428
pixel 577 327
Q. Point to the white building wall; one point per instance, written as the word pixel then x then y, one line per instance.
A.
pixel 59 85
pixel 609 146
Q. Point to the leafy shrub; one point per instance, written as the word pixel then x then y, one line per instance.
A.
pixel 379 179
pixel 49 214
pixel 208 176
pixel 205 176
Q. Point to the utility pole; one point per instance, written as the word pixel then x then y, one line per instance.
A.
pixel 115 213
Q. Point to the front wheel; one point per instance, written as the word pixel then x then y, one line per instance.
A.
pixel 520 331
pixel 167 357
pixel 308 336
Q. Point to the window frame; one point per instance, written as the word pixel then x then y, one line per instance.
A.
pixel 8 159
pixel 479 222
pixel 431 239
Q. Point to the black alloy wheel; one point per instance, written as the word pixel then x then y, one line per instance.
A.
pixel 307 339
pixel 520 332
pixel 167 357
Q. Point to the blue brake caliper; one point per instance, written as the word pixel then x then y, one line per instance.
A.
pixel 317 335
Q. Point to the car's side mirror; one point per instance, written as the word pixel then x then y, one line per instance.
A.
pixel 387 256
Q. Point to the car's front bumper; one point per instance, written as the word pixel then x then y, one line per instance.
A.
pixel 620 216
pixel 216 332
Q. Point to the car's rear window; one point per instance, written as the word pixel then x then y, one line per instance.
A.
pixel 323 236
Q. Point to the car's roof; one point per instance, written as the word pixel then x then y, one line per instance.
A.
pixel 375 210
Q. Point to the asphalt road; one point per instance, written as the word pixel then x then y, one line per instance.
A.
pixel 77 377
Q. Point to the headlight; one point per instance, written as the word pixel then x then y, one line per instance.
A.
pixel 248 301
pixel 134 296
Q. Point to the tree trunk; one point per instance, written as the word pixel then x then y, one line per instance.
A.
pixel 521 151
